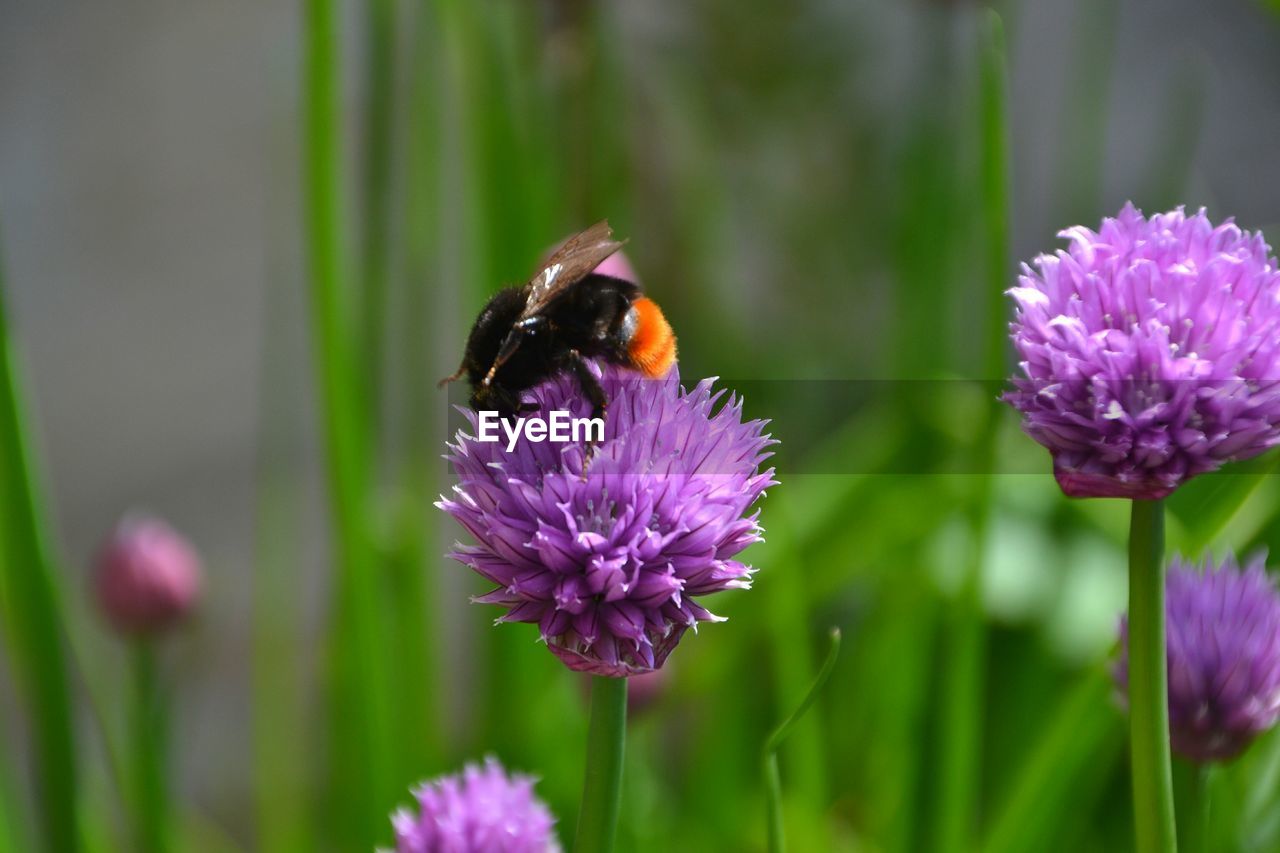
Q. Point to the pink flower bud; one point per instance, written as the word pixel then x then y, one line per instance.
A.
pixel 147 576
pixel 617 266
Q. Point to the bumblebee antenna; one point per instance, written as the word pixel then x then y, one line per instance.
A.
pixel 511 343
pixel 509 346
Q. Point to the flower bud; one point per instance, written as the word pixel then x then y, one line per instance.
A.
pixel 147 576
pixel 617 266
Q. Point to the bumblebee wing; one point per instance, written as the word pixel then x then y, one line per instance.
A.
pixel 568 265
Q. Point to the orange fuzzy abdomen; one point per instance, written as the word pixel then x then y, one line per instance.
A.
pixel 652 349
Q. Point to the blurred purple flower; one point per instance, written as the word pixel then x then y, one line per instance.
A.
pixel 481 810
pixel 1150 352
pixel 1224 657
pixel 147 576
pixel 607 561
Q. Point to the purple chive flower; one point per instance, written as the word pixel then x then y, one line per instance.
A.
pixel 608 554
pixel 1224 656
pixel 147 576
pixel 480 810
pixel 1150 352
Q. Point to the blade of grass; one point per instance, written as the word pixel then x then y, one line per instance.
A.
pixel 773 779
pixel 362 750
pixel 12 836
pixel 11 814
pixel 788 625
pixel 960 738
pixel 421 304
pixel 404 546
pixel 1263 794
pixel 1080 745
pixel 925 227
pixel 280 711
pixel 281 722
pixel 35 606
pixel 1208 504
pixel 897 657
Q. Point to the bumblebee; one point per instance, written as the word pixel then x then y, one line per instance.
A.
pixel 566 315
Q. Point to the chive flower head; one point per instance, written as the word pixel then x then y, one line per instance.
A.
pixel 607 550
pixel 1223 637
pixel 1150 352
pixel 480 810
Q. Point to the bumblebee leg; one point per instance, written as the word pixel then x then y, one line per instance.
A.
pixel 454 377
pixel 591 388
pixel 588 383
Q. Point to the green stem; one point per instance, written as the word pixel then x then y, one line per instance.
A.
pixel 150 736
pixel 602 789
pixel 35 608
pixel 773 799
pixel 1153 813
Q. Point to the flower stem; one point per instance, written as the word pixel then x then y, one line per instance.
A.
pixel 602 789
pixel 773 797
pixel 151 730
pixel 1153 813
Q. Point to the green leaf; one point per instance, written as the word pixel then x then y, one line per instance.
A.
pixel 31 588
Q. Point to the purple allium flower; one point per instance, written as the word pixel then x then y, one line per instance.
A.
pixel 147 576
pixel 480 810
pixel 1223 628
pixel 608 559
pixel 1151 352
